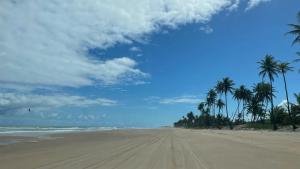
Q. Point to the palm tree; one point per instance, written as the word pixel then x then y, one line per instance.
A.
pixel 227 87
pixel 201 107
pixel 211 99
pixel 296 108
pixel 245 97
pixel 254 107
pixel 263 93
pixel 219 87
pixel 298 59
pixel 237 95
pixel 268 67
pixel 284 67
pixel 297 96
pixel 295 30
pixel 219 90
pixel 220 105
pixel 190 119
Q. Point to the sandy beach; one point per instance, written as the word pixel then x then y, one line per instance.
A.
pixel 156 149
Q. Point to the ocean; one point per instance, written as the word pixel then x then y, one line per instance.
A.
pixel 41 132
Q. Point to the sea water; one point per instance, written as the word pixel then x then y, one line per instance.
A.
pixel 42 132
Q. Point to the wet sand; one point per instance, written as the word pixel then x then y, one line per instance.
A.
pixel 157 149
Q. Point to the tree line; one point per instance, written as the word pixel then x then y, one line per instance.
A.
pixel 255 105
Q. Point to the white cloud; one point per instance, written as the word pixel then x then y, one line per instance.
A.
pixel 181 100
pixel 135 49
pixel 46 42
pixel 13 102
pixel 152 99
pixel 234 6
pixel 207 29
pixel 254 3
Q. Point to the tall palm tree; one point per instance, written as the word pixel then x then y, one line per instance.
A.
pixel 284 67
pixel 227 84
pixel 295 30
pixel 268 67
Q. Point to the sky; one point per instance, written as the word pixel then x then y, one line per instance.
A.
pixel 137 63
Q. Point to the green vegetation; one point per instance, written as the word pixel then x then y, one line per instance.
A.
pixel 255 107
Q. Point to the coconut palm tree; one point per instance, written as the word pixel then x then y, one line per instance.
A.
pixel 268 67
pixel 227 84
pixel 284 67
pixel 295 30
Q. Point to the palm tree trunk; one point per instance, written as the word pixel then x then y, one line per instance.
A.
pixel 273 118
pixel 266 109
pixel 226 105
pixel 288 102
pixel 237 111
pixel 243 111
pixel 214 106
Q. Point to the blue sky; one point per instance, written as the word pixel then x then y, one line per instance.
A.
pixel 133 65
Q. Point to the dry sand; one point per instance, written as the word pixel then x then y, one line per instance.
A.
pixel 157 149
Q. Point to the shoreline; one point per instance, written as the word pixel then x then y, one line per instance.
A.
pixel 40 136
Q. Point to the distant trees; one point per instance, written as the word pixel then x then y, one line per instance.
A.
pixel 254 106
pixel 258 102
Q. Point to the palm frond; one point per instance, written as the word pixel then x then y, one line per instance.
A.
pixel 297 39
pixel 294 32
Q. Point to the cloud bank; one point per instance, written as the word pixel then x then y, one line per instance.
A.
pixel 185 99
pixel 46 42
pixel 181 99
pixel 12 102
